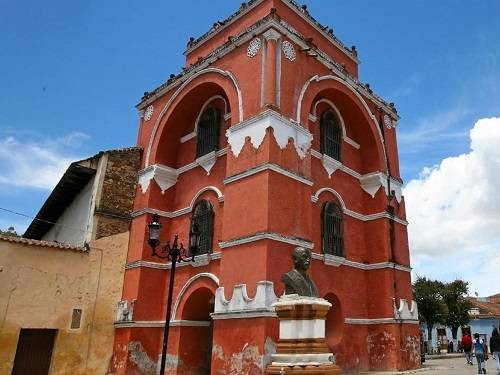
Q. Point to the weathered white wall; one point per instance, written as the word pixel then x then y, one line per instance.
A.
pixel 75 220
pixel 40 287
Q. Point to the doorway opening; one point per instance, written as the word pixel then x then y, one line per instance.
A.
pixel 34 351
pixel 196 335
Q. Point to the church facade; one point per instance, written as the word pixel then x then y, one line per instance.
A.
pixel 267 141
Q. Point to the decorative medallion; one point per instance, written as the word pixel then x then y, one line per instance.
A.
pixel 254 47
pixel 149 113
pixel 289 51
pixel 387 122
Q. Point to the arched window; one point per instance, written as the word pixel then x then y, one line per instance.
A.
pixel 203 217
pixel 330 134
pixel 208 132
pixel 332 230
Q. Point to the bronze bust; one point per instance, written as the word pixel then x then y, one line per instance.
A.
pixel 296 281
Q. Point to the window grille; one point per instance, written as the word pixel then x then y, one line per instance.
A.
pixel 76 319
pixel 330 134
pixel 203 217
pixel 332 229
pixel 208 132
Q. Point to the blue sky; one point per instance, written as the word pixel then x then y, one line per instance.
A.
pixel 72 73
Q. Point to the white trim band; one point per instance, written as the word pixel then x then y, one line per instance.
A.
pixel 336 261
pixel 166 176
pixel 161 324
pixel 358 321
pixel 199 261
pixel 266 236
pixel 267 167
pixel 182 211
pixel 256 128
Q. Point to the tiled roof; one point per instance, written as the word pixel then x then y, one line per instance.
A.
pixel 29 242
pixel 489 307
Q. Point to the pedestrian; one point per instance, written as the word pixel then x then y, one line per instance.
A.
pixel 495 347
pixel 478 348
pixel 467 347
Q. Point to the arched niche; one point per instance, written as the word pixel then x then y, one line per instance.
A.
pixel 334 326
pixel 178 116
pixel 182 121
pixel 357 120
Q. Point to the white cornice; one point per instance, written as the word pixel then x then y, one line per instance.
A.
pixel 357 321
pixel 370 182
pixel 242 306
pixel 336 261
pixel 199 261
pixel 340 46
pixel 244 37
pixel 166 176
pixel 256 127
pixel 266 236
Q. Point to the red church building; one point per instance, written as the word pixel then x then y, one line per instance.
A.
pixel 267 141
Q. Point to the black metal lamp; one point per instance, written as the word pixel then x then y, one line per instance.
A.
pixel 154 231
pixel 175 254
pixel 194 239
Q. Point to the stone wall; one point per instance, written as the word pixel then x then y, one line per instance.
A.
pixel 117 193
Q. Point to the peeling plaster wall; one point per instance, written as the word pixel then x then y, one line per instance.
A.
pixel 40 288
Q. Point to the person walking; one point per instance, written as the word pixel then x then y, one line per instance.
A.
pixel 467 348
pixel 478 348
pixel 495 347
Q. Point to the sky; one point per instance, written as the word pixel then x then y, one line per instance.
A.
pixel 72 73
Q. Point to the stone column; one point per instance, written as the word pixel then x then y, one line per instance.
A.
pixel 270 68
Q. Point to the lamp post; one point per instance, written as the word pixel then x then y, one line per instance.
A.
pixel 174 254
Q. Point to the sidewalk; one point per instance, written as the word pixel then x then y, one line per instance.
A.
pixel 446 364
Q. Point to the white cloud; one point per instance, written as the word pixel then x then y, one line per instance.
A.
pixel 36 163
pixel 454 210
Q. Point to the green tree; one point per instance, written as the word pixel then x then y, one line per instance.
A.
pixel 431 306
pixel 454 295
pixel 10 232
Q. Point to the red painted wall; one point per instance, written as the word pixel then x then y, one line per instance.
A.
pixel 267 202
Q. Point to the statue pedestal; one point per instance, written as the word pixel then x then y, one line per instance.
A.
pixel 302 347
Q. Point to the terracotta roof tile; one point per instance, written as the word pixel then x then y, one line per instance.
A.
pixel 487 309
pixel 29 242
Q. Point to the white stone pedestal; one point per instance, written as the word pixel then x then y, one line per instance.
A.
pixel 302 347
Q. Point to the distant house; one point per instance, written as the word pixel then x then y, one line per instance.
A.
pixel 61 283
pixel 485 315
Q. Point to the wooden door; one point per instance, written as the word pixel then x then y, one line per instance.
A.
pixel 34 352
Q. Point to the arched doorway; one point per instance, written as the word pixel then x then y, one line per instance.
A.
pixel 195 341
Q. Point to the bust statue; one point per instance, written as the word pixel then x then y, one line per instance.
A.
pixel 296 281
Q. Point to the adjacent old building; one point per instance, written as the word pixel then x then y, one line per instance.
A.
pixel 484 317
pixel 267 140
pixel 62 281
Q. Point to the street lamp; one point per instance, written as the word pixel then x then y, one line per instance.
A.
pixel 174 254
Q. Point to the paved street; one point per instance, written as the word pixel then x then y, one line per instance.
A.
pixel 448 366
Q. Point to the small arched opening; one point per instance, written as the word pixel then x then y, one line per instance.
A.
pixel 334 322
pixel 196 333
